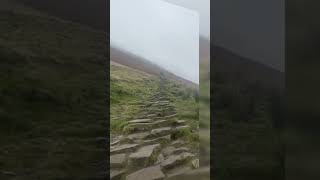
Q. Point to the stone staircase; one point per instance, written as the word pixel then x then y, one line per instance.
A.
pixel 149 148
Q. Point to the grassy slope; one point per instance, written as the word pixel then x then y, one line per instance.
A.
pixel 129 86
pixel 51 99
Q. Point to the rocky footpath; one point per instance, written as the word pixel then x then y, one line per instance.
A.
pixel 150 147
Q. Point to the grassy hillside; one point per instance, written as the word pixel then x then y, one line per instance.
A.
pixel 52 98
pixel 129 88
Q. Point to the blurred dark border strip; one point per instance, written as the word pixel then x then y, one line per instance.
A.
pixel 303 87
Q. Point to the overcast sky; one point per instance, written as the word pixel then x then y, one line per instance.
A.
pixel 251 28
pixel 203 8
pixel 164 33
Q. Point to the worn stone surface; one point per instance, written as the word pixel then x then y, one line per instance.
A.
pixel 168 150
pixel 118 160
pixel 115 142
pixel 162 123
pixel 177 143
pixel 179 122
pixel 161 140
pixel 116 174
pixel 200 173
pixel 140 121
pixel 139 136
pixel 144 156
pixel 161 131
pixel 178 171
pixel 150 173
pixel 137 127
pixel 181 150
pixel 160 158
pixel 174 160
pixel 185 127
pixel 124 148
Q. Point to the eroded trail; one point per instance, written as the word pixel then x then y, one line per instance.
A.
pixel 150 147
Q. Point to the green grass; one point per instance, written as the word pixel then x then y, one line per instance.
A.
pixel 129 86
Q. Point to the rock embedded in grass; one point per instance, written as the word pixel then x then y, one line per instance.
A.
pixel 161 131
pixel 140 121
pixel 160 140
pixel 144 156
pixel 174 160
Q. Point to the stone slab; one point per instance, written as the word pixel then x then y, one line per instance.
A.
pixel 150 173
pixel 175 160
pixel 123 148
pixel 117 160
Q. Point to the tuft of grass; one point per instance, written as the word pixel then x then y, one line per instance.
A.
pixel 116 126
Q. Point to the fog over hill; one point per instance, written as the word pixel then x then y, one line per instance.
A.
pixel 150 30
pixel 126 58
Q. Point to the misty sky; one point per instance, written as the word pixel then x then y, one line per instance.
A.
pixel 203 9
pixel 164 33
pixel 250 28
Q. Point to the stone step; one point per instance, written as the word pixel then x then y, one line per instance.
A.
pixel 161 131
pixel 150 173
pixel 201 173
pixel 160 158
pixel 116 142
pixel 136 136
pixel 144 156
pixel 162 123
pixel 124 148
pixel 167 117
pixel 140 121
pixel 178 171
pixel 179 122
pixel 170 150
pixel 118 160
pixel 116 174
pixel 139 127
pixel 178 143
pixel 185 127
pixel 175 160
pixel 160 140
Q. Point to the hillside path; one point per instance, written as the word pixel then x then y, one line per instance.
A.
pixel 150 147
